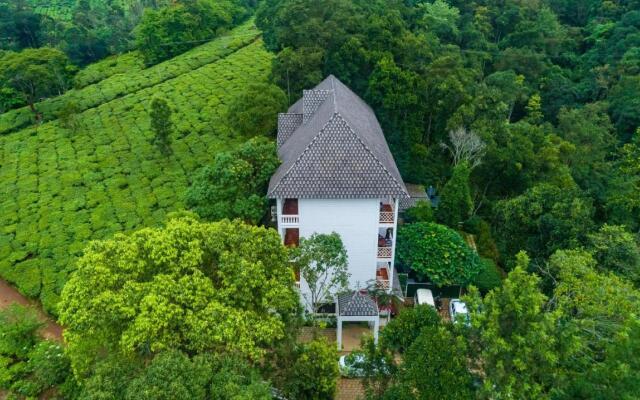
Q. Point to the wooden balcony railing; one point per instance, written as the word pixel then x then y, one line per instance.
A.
pixel 384 252
pixel 386 217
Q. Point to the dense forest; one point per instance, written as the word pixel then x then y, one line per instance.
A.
pixel 116 116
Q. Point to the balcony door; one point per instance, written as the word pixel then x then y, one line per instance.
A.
pixel 290 207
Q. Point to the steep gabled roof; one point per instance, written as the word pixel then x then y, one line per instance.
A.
pixel 337 151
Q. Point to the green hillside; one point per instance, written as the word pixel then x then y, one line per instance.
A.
pixel 110 83
pixel 61 188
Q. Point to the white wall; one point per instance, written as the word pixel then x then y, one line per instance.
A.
pixel 356 221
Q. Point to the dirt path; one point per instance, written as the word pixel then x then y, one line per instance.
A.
pixel 9 295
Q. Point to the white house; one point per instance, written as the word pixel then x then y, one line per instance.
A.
pixel 338 175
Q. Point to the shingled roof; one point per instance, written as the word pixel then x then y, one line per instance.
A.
pixel 331 146
pixel 356 304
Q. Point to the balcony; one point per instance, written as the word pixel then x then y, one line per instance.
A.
pixel 382 277
pixel 385 252
pixel 289 220
pixel 386 213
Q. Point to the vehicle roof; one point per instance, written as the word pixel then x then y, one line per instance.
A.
pixel 425 296
pixel 459 306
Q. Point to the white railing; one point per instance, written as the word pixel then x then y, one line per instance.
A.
pixel 384 252
pixel 297 284
pixel 289 219
pixel 386 217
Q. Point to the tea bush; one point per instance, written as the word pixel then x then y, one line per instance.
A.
pixel 117 85
pixel 60 188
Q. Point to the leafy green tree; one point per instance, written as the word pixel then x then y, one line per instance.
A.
pixel 20 25
pixel 623 192
pixel 516 343
pixel 598 313
pixel 314 374
pixel 296 70
pixel 36 73
pixel 617 250
pixel 541 220
pixel 400 333
pixel 18 330
pixel 624 106
pixel 171 375
pixel 441 18
pixel 254 111
pixel 489 276
pixel 323 263
pixel 435 366
pixel 437 253
pixel 174 29
pixel 420 212
pixel 190 286
pixel 456 205
pixel 161 124
pixel 235 184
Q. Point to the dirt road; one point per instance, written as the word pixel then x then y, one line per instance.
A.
pixel 9 295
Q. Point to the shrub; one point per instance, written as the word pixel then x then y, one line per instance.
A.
pixel 18 330
pixel 421 212
pixel 314 374
pixel 403 330
pixel 437 253
pixel 489 276
pixel 254 111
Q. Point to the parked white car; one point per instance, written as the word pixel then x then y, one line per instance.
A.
pixel 352 365
pixel 458 311
pixel 424 296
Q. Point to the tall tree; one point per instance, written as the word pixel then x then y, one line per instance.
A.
pixel 323 263
pixel 36 73
pixel 235 184
pixel 516 343
pixel 456 205
pixel 191 286
pixel 161 124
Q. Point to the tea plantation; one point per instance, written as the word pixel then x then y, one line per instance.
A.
pixel 111 83
pixel 62 187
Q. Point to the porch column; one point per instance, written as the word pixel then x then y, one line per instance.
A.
pixel 376 328
pixel 339 333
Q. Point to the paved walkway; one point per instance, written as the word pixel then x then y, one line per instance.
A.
pixel 9 295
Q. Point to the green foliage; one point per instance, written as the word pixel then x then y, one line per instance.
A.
pixel 456 205
pixel 113 84
pixel 541 220
pixel 437 253
pixel 254 111
pixel 191 286
pixel 161 124
pixel 174 29
pixel 403 330
pixel 29 366
pixel 435 366
pixel 421 212
pixel 18 331
pixel 127 63
pixel 36 73
pixel 489 276
pixel 517 343
pixel 323 263
pixel 67 189
pixel 484 241
pixel 617 250
pixel 171 375
pixel 235 184
pixel 314 374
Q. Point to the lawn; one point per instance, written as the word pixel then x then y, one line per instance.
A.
pixel 61 188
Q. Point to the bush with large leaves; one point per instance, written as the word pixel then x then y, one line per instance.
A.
pixel 437 253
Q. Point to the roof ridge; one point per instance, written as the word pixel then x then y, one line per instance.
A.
pixel 370 152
